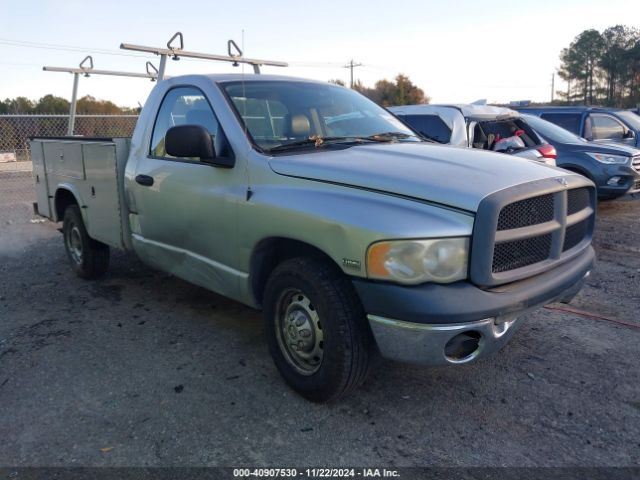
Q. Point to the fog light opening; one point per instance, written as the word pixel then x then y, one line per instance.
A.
pixel 614 181
pixel 462 346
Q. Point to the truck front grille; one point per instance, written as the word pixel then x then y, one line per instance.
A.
pixel 577 199
pixel 635 162
pixel 574 234
pixel 529 211
pixel 520 253
pixel 517 239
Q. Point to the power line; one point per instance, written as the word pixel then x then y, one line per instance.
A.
pixel 66 48
pixel 75 48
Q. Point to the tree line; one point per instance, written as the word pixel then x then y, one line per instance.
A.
pixel 400 91
pixel 51 104
pixel 602 67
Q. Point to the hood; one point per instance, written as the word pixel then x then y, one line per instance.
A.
pixel 457 177
pixel 607 147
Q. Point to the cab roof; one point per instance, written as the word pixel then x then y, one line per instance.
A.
pixel 569 109
pixel 246 77
pixel 468 110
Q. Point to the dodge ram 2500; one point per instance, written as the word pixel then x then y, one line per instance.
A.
pixel 312 203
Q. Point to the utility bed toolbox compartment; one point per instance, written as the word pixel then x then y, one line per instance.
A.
pixel 92 169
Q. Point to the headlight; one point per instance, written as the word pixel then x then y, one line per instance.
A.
pixel 441 260
pixel 607 158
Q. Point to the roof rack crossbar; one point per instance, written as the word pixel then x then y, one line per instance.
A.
pixel 86 68
pixel 177 52
pixel 87 72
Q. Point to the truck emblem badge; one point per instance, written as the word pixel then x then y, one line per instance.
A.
pixel 349 263
pixel 562 181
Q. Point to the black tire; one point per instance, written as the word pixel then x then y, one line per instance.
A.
pixel 346 342
pixel 89 258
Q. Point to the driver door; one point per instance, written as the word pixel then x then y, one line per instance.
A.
pixel 186 222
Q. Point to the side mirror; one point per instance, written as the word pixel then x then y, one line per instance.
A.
pixel 194 141
pixel 629 134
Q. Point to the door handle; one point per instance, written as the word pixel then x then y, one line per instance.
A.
pixel 144 180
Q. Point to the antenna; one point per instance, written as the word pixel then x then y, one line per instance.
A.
pixel 86 68
pixel 235 55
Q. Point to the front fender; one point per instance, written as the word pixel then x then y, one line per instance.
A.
pixel 340 221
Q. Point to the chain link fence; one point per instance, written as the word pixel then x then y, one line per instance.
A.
pixel 17 192
pixel 15 130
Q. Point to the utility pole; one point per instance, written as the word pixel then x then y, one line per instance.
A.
pixel 553 85
pixel 351 66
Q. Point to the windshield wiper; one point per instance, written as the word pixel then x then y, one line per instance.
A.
pixel 316 141
pixel 388 136
pixel 429 138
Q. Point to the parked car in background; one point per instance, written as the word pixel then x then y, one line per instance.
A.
pixel 478 126
pixel 593 123
pixel 614 168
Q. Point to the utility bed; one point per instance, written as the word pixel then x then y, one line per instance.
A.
pixel 93 170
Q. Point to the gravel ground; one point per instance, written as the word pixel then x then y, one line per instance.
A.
pixel 141 368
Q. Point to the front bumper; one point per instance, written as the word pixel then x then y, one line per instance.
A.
pixel 629 180
pixel 417 324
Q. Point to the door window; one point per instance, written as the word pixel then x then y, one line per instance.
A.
pixel 606 127
pixel 568 121
pixel 182 106
pixel 430 126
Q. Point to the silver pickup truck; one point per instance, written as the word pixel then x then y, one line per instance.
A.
pixel 312 203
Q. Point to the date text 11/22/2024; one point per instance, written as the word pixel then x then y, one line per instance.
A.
pixel 315 473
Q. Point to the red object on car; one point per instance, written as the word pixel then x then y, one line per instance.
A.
pixel 548 151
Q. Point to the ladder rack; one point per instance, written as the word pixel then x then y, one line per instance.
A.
pixel 86 68
pixel 175 50
pixel 235 55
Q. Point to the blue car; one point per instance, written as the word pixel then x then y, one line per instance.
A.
pixel 614 168
pixel 593 123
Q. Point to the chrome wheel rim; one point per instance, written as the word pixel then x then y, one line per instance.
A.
pixel 299 332
pixel 74 244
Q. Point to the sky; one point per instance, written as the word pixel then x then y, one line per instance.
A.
pixel 456 51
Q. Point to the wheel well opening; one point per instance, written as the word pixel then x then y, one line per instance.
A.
pixel 579 171
pixel 273 251
pixel 63 199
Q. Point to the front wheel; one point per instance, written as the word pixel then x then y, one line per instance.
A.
pixel 316 329
pixel 89 258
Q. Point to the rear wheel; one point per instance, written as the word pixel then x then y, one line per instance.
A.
pixel 316 329
pixel 89 258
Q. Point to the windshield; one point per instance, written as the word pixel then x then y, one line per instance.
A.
pixel 630 119
pixel 551 131
pixel 281 114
